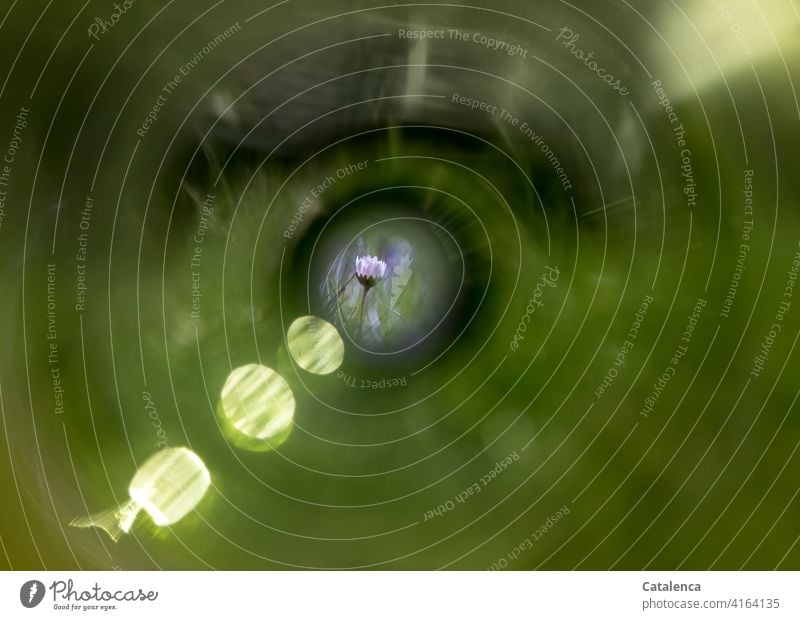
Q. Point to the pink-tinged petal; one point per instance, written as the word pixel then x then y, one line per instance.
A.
pixel 370 269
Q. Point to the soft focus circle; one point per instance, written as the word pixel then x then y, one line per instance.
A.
pixel 167 486
pixel 170 484
pixel 315 345
pixel 256 407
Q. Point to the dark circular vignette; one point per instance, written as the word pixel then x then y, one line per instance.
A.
pixel 579 352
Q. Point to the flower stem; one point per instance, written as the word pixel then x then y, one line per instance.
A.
pixel 361 313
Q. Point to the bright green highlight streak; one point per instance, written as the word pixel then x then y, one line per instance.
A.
pixel 315 345
pixel 257 407
pixel 167 486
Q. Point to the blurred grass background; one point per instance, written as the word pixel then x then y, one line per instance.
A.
pixel 709 478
